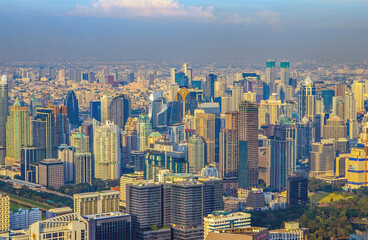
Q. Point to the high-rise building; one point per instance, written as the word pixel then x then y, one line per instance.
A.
pixel 66 155
pixel 173 91
pixel 204 124
pixel 229 151
pixel 51 173
pixel 144 129
pixel 4 212
pixel 79 140
pixel 188 73
pixel 157 109
pixel 335 128
pixel 350 114
pixel 109 226
pixel 29 157
pixel 248 132
pixel 61 77
pixel 270 74
pixel 71 102
pixel 96 202
pixel 196 153
pixel 297 190
pixel 130 178
pixel 18 132
pixel 358 91
pixel 285 72
pixel 209 86
pixel 83 168
pixel 307 100
pixel 237 95
pixel 4 111
pixel 24 217
pixel 338 106
pixel 95 110
pixel 322 158
pixel 106 149
pixel 43 133
pixel 119 110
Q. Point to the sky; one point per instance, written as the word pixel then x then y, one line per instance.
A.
pixel 187 30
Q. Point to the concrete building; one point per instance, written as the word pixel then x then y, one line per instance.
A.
pixel 221 220
pixel 66 155
pixel 130 178
pixel 4 212
pixel 196 153
pixel 292 231
pixel 205 127
pixel 51 173
pixel 106 149
pixel 323 158
pixel 24 217
pixel 250 233
pixel 109 226
pixel 4 112
pixel 96 202
pixel 83 168
pixel 335 128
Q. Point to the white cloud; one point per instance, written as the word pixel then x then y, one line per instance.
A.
pixel 270 17
pixel 142 8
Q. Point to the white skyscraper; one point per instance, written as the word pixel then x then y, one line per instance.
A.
pixel 105 108
pixel 61 77
pixel 106 150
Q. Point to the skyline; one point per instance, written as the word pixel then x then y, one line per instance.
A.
pixel 202 31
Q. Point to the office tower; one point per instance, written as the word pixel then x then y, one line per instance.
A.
pixel 144 129
pixel 338 106
pixel 51 173
pixel 109 226
pixel 327 96
pixel 209 86
pixel 129 142
pixel 24 217
pixel 72 226
pixel 95 110
pixel 61 77
pixel 157 109
pixel 130 178
pixel 96 202
pixel 173 71
pixel 71 102
pixel 35 103
pixel 61 123
pixel 75 75
pixel 173 91
pixel 226 104
pixel 305 138
pixel 291 228
pixel 83 168
pixel 204 124
pixel 29 157
pixel 43 133
pixel 270 74
pixel 221 220
pixel 4 111
pixel 322 158
pixel 285 72
pixel 4 212
pixel 335 128
pixel 157 160
pixel 79 140
pixel 297 190
pixel 340 90
pixel 358 91
pixel 188 71
pixel 176 133
pixel 270 111
pixel 137 158
pixel 307 100
pixel 248 132
pixel 18 132
pixel 250 97
pixel 350 114
pixel 119 110
pixel 105 108
pixel 237 95
pixel 251 233
pixel 106 149
pixel 262 90
pixel 229 151
pixel 66 155
pixel 220 88
pixel 196 153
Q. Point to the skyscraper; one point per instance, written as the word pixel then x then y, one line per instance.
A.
pixel 66 155
pixel 157 109
pixel 71 102
pixel 205 127
pixel 237 95
pixel 4 110
pixel 209 86
pixel 284 72
pixel 270 74
pixel 61 77
pixel 248 132
pixel 5 212
pixel 307 100
pixel 106 149
pixel 51 173
pixel 196 154
pixel 350 114
pixel 18 132
pixel 144 129
pixel 119 110
pixel 43 131
pixel 95 110
pixel 358 91
pixel 229 151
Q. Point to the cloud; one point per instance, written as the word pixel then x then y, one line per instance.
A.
pixel 270 17
pixel 142 8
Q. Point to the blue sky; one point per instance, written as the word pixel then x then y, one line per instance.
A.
pixel 201 30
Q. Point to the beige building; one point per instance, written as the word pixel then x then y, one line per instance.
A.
pixel 96 202
pixel 335 128
pixel 4 212
pixel 292 231
pixel 51 173
pixel 130 178
pixel 221 220
pixel 205 127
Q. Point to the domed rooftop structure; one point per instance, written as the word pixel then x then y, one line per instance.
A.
pixel 155 135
